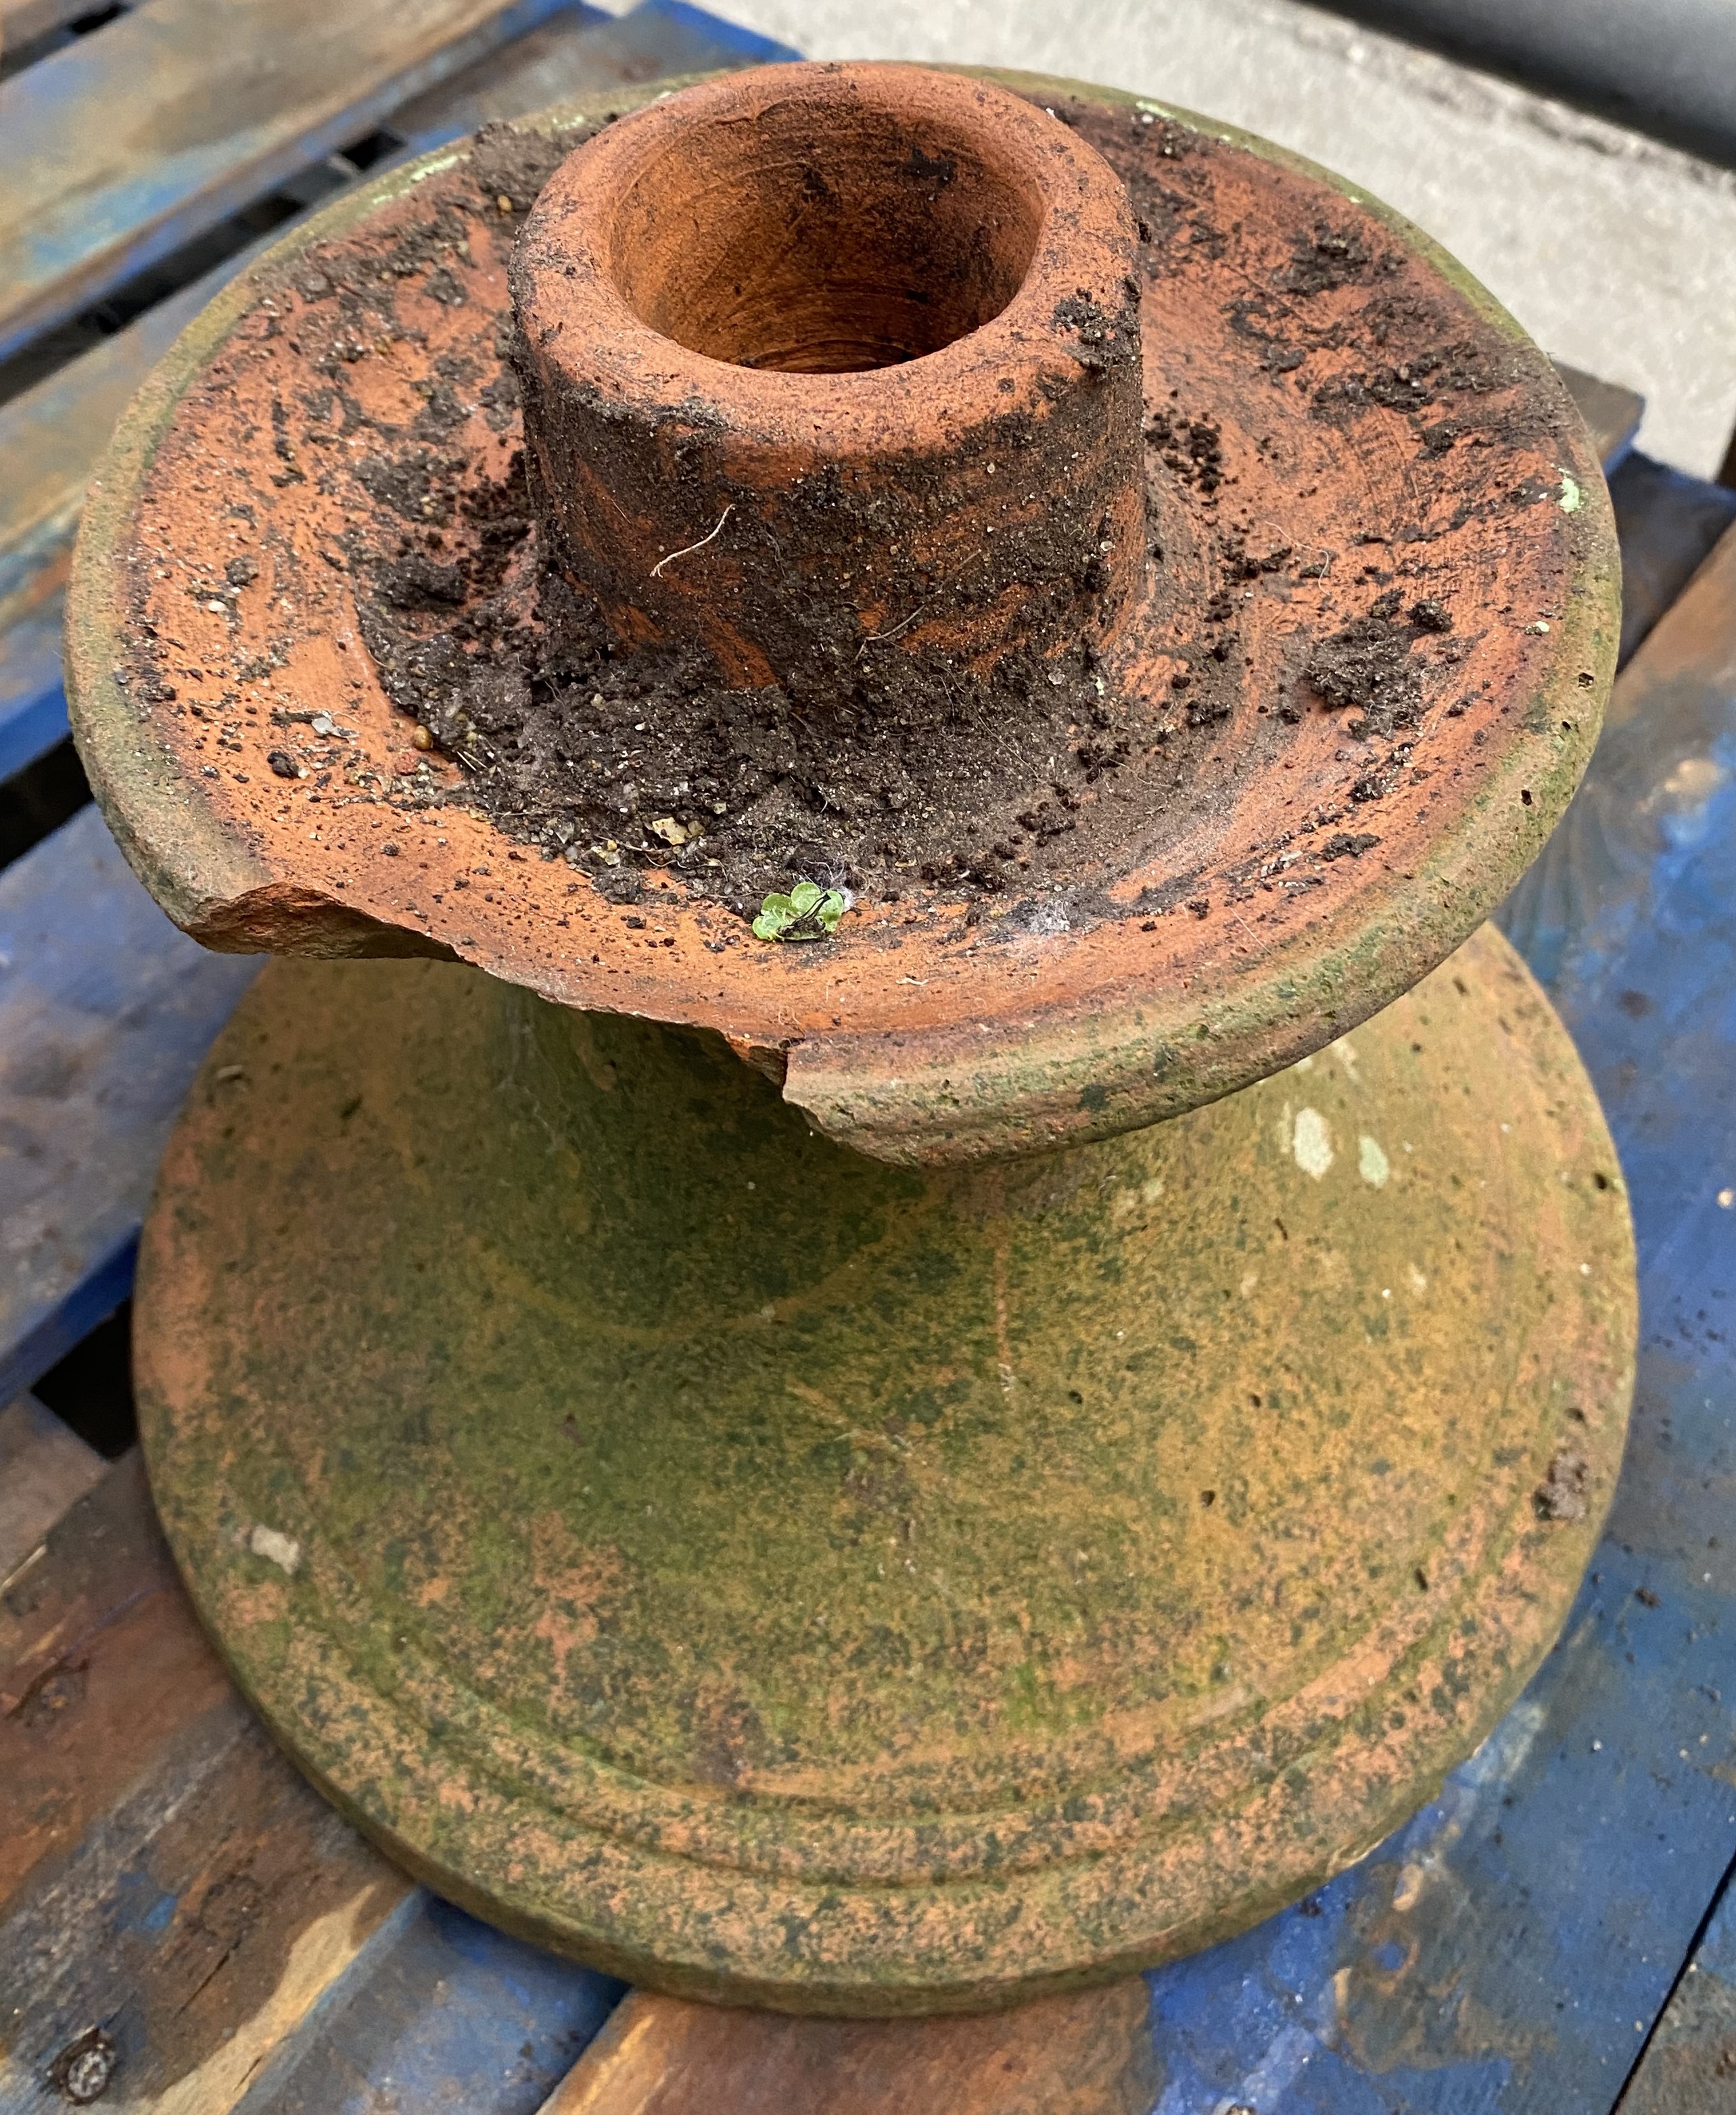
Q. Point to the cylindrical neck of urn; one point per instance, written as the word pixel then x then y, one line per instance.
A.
pixel 825 364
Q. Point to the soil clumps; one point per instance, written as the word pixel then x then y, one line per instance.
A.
pixel 618 758
pixel 909 774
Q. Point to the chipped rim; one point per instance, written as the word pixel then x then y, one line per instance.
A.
pixel 1137 1050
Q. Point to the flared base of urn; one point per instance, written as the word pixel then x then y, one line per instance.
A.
pixel 791 1580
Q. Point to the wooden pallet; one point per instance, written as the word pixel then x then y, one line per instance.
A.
pixel 179 1913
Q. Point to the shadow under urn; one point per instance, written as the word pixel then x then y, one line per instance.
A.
pixel 895 1472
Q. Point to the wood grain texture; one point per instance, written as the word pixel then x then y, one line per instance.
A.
pixel 166 1878
pixel 1612 412
pixel 165 1874
pixel 45 1468
pixel 1689 2067
pixel 118 148
pixel 575 53
pixel 101 1663
pixel 1089 2053
pixel 105 1012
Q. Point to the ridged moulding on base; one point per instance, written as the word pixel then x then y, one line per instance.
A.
pixel 788 1580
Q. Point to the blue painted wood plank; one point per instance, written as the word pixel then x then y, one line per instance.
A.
pixel 1689 2066
pixel 33 705
pixel 117 149
pixel 105 1012
pixel 1508 1951
pixel 446 2011
pixel 568 58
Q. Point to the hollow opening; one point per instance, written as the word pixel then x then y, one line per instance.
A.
pixel 824 238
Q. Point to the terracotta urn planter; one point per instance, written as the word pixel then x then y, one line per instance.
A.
pixel 1003 1431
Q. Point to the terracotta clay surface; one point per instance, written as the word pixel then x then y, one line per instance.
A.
pixel 1044 1540
pixel 815 304
pixel 1340 429
pixel 789 1579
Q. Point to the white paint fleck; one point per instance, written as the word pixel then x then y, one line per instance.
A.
pixel 1372 1164
pixel 1418 1282
pixel 1128 1201
pixel 1250 1279
pixel 1344 1053
pixel 1303 1065
pixel 1312 1143
pixel 276 1548
pixel 1726 1198
pixel 1571 495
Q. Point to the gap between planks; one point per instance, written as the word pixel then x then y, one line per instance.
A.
pixel 116 150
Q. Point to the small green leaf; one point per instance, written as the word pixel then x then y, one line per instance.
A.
pixel 807 912
pixel 776 914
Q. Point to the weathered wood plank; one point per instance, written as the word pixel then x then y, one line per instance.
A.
pixel 1089 2053
pixel 115 150
pixel 168 1883
pixel 444 2012
pixel 102 1664
pixel 105 1012
pixel 22 21
pixel 33 704
pixel 1612 412
pixel 45 1469
pixel 1689 2067
pixel 578 53
pixel 1509 1949
pixel 1668 522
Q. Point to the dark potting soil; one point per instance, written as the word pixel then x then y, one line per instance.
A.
pixel 912 773
pixel 622 758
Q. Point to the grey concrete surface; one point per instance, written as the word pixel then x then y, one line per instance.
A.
pixel 1616 253
pixel 1667 67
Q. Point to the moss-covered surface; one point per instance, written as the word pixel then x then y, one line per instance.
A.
pixel 783 1576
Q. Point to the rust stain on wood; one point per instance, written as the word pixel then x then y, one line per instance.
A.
pixel 101 1661
pixel 163 1868
pixel 1086 2053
